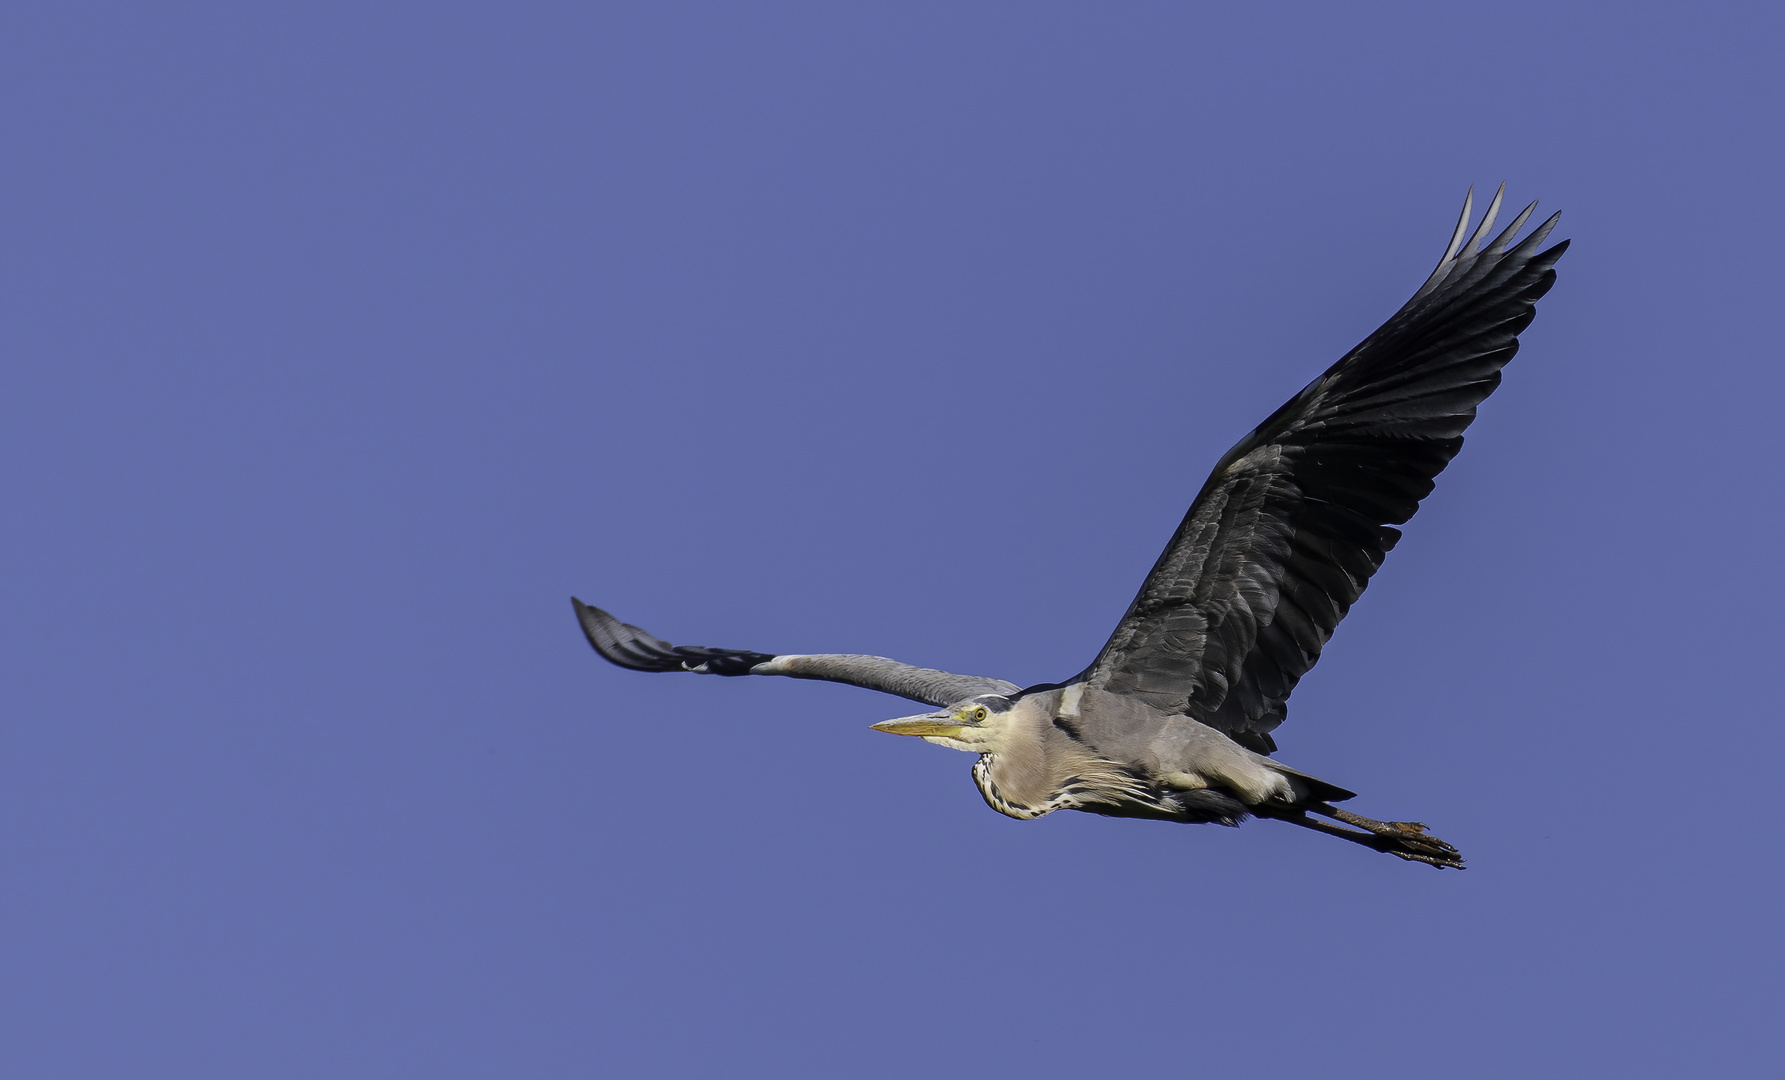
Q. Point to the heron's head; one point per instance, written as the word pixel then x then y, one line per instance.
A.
pixel 977 725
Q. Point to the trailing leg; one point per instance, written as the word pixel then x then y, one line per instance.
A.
pixel 1402 839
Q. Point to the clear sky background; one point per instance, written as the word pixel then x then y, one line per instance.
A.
pixel 343 342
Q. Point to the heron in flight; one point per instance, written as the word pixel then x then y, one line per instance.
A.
pixel 1173 719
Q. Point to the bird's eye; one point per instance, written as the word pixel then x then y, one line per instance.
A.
pixel 979 715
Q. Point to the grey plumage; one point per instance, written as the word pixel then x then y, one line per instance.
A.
pixel 630 647
pixel 1173 718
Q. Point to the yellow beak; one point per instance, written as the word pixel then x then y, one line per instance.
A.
pixel 928 724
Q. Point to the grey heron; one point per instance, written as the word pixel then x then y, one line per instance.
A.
pixel 1173 718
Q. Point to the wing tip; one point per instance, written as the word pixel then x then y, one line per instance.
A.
pixel 620 643
pixel 1460 255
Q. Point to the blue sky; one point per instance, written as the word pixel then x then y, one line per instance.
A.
pixel 345 341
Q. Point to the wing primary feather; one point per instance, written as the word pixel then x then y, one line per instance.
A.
pixel 630 647
pixel 1538 235
pixel 1456 243
pixel 1499 244
pixel 1487 222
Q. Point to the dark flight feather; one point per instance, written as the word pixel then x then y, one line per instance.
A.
pixel 1298 515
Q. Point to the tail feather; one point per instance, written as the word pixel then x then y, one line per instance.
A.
pixel 1318 790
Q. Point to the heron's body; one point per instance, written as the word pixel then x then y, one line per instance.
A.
pixel 1118 756
pixel 1173 718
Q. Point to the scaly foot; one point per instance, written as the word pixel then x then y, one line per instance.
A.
pixel 1403 839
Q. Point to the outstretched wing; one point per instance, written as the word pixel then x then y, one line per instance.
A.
pixel 630 647
pixel 1297 516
